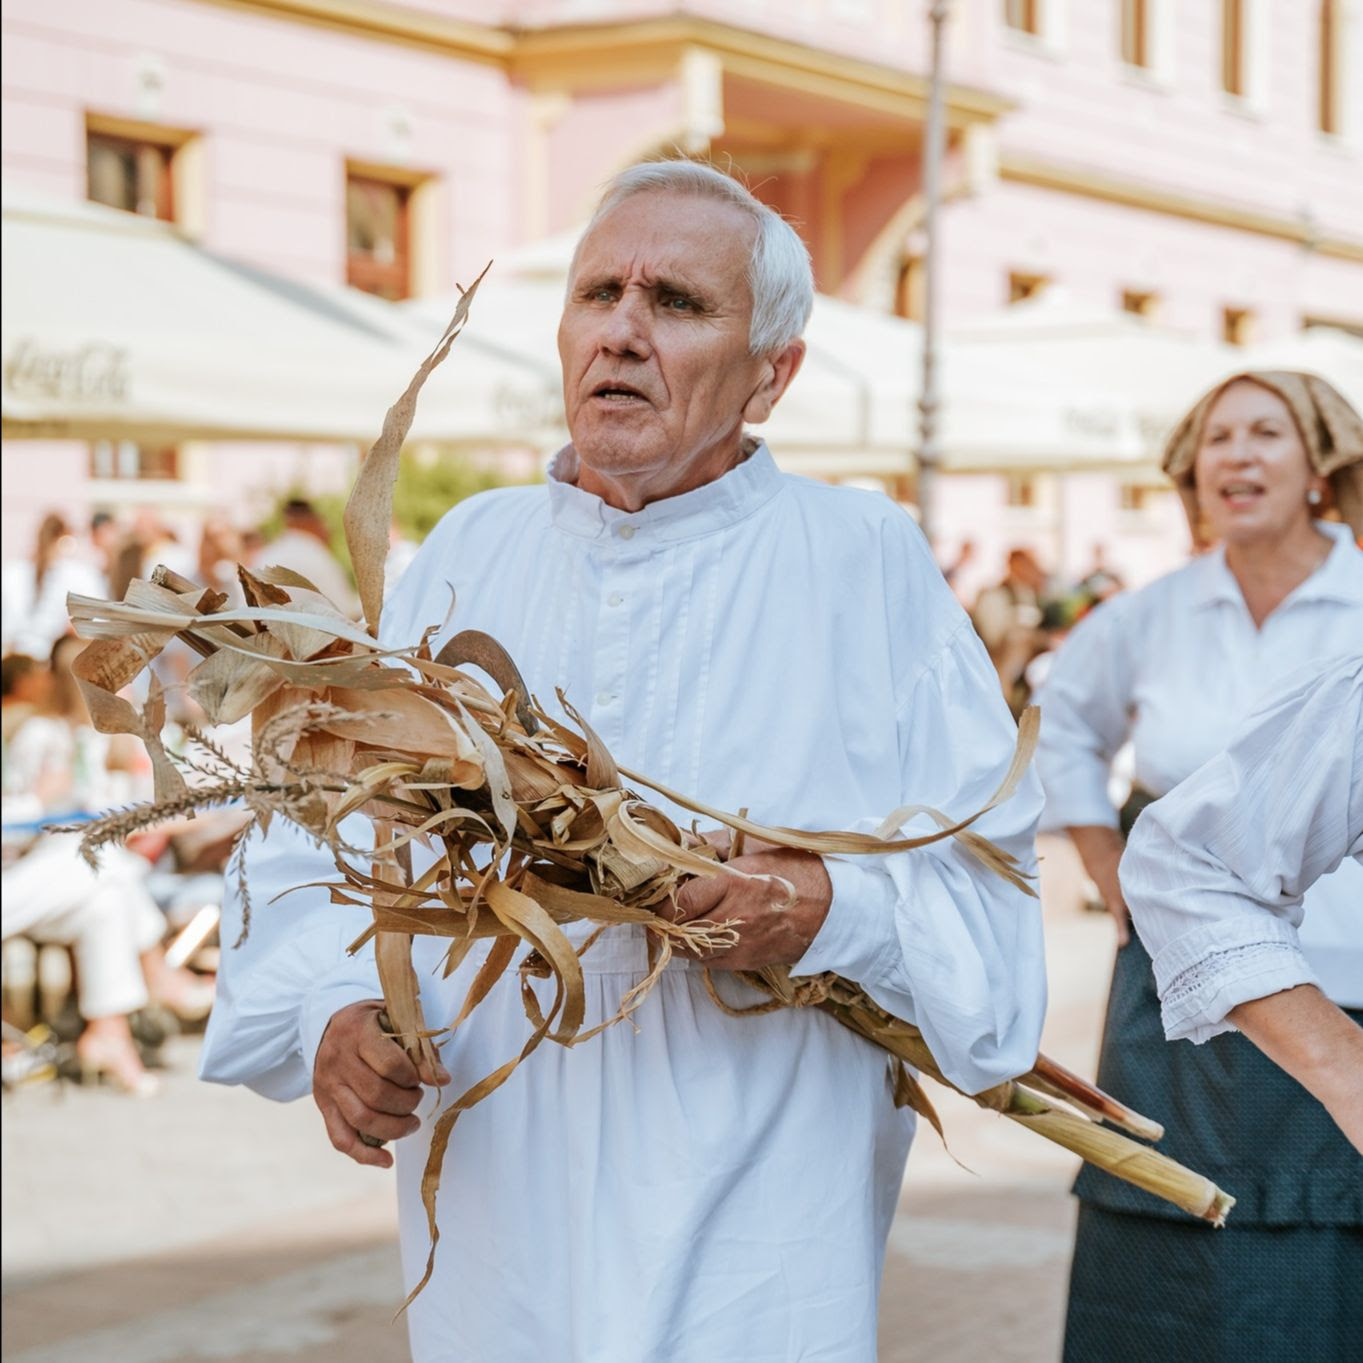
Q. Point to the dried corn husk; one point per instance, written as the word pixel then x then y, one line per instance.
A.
pixel 527 819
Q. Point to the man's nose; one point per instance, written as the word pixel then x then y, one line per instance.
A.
pixel 626 329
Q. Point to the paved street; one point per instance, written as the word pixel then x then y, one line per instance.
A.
pixel 207 1224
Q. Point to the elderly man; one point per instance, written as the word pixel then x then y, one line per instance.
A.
pixel 695 1186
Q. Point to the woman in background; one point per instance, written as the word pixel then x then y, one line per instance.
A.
pixel 1175 668
pixel 33 616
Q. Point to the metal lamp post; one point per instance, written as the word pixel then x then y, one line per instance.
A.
pixel 929 449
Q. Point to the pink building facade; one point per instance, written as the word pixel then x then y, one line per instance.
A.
pixel 1195 161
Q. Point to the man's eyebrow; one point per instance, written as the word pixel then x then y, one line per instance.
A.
pixel 676 285
pixel 662 284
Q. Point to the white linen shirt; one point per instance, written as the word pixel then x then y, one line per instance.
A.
pixel 694 1186
pixel 1176 668
pixel 1215 873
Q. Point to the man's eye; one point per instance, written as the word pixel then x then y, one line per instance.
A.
pixel 678 303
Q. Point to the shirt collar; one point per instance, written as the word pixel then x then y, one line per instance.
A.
pixel 1339 577
pixel 713 506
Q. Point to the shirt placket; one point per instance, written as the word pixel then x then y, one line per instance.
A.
pixel 620 582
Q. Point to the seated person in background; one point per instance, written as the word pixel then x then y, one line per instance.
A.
pixel 1215 872
pixel 57 766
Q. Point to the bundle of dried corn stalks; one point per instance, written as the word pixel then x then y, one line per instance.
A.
pixel 526 822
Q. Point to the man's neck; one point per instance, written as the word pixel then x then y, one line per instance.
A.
pixel 633 492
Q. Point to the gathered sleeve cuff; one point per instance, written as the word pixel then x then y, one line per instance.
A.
pixel 1215 872
pixel 932 935
pixel 1204 974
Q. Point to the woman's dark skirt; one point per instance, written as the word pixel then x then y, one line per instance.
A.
pixel 1284 1279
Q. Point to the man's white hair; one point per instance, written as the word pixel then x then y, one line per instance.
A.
pixel 780 276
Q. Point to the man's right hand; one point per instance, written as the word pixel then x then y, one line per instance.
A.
pixel 365 1084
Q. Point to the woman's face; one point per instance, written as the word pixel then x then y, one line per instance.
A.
pixel 1251 473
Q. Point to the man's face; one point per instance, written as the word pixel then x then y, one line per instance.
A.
pixel 657 378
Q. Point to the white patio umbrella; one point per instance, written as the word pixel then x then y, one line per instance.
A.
pixel 1058 385
pixel 1334 354
pixel 116 326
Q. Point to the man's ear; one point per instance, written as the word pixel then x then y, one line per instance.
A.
pixel 777 372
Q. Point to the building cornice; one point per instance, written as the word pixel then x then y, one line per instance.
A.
pixel 570 55
pixel 560 55
pixel 389 22
pixel 1108 188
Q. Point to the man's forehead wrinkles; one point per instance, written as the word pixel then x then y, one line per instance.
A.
pixel 641 273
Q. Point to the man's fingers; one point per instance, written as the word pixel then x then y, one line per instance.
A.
pixel 381 1094
pixel 381 1125
pixel 698 897
pixel 347 1140
pixel 386 1058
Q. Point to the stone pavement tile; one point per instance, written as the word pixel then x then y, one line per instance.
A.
pixel 977 1277
pixel 288 1282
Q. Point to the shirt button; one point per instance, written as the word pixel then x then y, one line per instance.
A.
pixel 614 599
pixel 626 532
pixel 603 697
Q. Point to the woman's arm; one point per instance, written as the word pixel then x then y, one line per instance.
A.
pixel 1317 1044
pixel 1100 849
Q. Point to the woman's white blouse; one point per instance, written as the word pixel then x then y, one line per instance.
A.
pixel 1215 873
pixel 1176 668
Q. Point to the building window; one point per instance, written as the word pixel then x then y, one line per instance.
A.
pixel 127 460
pixel 378 235
pixel 910 287
pixel 1233 66
pixel 131 173
pixel 1024 286
pixel 1020 490
pixel 1136 496
pixel 1142 302
pixel 1136 49
pixel 1237 326
pixel 1022 15
pixel 1331 85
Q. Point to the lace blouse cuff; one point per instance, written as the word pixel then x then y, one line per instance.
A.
pixel 1204 974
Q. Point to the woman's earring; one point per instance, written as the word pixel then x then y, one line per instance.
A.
pixel 1313 497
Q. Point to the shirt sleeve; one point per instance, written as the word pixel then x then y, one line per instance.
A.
pixel 279 986
pixel 1085 719
pixel 1215 872
pixel 932 935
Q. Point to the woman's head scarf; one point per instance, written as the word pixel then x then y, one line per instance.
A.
pixel 1331 431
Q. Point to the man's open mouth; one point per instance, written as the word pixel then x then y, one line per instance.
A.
pixel 618 392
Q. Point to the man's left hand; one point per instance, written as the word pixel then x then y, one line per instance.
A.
pixel 771 929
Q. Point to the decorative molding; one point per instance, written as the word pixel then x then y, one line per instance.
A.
pixel 573 56
pixel 573 53
pixel 1117 189
pixel 389 22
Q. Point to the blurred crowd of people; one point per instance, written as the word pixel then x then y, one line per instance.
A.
pixel 1025 616
pixel 117 922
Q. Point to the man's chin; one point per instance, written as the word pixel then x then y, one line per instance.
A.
pixel 616 455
